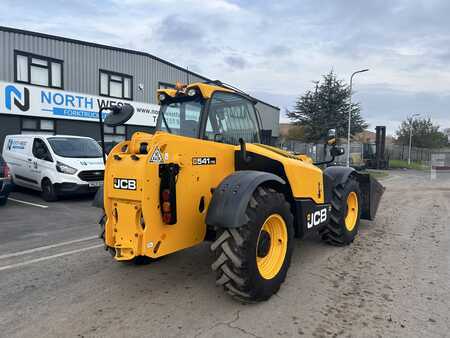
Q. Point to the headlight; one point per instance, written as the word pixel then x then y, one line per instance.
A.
pixel 65 169
pixel 192 92
pixel 162 97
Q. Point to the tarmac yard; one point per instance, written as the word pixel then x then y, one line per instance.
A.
pixel 56 280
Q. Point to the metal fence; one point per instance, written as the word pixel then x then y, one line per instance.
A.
pixel 320 152
pixel 357 154
pixel 440 161
pixel 424 155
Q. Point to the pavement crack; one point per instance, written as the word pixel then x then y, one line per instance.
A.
pixel 229 324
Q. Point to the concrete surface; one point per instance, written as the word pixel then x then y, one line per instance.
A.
pixel 393 281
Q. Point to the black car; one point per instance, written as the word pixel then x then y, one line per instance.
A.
pixel 5 181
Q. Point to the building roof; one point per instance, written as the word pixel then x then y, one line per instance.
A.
pixel 119 49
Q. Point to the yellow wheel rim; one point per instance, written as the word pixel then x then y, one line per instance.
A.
pixel 271 246
pixel 352 211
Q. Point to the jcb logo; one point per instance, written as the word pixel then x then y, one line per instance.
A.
pixel 125 184
pixel 317 218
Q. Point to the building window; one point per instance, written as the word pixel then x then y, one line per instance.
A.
pixel 113 135
pixel 37 126
pixel 38 70
pixel 165 85
pixel 116 85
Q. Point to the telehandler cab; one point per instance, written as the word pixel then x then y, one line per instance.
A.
pixel 204 175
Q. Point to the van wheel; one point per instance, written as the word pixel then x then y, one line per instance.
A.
pixel 48 191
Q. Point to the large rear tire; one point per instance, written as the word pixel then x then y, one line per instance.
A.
pixel 101 235
pixel 252 261
pixel 345 214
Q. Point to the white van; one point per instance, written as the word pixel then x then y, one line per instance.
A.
pixel 56 164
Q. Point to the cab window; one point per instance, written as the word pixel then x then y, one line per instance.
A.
pixel 230 118
pixel 41 151
pixel 182 118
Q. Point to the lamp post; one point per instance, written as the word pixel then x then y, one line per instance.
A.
pixel 350 114
pixel 411 117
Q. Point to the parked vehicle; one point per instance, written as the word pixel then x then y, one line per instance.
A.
pixel 5 181
pixel 56 165
pixel 204 175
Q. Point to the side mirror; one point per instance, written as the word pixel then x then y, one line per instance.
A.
pixel 119 115
pixel 331 137
pixel 218 137
pixel 40 153
pixel 331 133
pixel 48 158
pixel 337 151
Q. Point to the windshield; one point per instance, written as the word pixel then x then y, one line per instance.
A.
pixel 181 118
pixel 75 147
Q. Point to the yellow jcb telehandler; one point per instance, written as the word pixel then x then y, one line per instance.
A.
pixel 204 175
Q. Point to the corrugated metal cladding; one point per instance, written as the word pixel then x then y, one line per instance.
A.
pixel 82 61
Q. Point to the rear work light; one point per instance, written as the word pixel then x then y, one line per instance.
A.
pixel 167 193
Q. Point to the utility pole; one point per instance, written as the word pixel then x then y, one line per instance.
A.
pixel 411 119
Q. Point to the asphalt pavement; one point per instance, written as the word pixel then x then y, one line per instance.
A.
pixel 57 281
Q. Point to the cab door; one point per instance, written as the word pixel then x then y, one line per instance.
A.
pixel 41 162
pixel 231 117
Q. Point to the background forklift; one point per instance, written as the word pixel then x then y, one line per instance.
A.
pixel 374 155
pixel 204 175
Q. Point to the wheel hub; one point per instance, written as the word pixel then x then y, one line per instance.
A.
pixel 352 211
pixel 271 246
pixel 263 244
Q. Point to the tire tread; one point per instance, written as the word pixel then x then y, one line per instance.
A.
pixel 334 232
pixel 231 264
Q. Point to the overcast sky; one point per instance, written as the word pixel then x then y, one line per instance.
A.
pixel 275 49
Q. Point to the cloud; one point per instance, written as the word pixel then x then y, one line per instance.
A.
pixel 275 49
pixel 217 5
pixel 176 29
pixel 279 50
pixel 235 62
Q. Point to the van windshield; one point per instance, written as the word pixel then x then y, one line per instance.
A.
pixel 75 147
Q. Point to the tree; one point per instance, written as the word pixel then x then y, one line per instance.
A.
pixel 326 107
pixel 425 134
pixel 296 132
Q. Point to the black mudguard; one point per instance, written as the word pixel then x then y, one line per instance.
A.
pixel 371 189
pixel 98 199
pixel 230 199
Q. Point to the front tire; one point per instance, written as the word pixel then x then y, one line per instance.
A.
pixel 49 193
pixel 345 214
pixel 252 261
